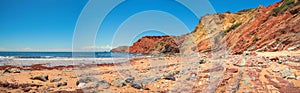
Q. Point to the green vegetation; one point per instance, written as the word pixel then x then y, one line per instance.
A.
pixel 255 39
pixel 233 27
pixel 285 6
pixel 159 44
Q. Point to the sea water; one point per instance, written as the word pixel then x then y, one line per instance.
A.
pixel 63 58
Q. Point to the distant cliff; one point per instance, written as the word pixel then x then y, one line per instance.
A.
pixel 272 28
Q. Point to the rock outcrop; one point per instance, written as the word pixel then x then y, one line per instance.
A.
pixel 272 28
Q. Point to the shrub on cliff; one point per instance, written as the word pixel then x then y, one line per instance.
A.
pixel 285 6
pixel 233 27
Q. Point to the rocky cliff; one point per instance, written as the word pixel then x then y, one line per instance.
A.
pixel 272 28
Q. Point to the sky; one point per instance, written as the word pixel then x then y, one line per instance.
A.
pixel 49 25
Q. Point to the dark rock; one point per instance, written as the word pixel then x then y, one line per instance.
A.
pixel 103 84
pixel 274 59
pixel 8 70
pixel 86 80
pixel 201 61
pixel 129 79
pixel 27 89
pixel 137 86
pixel 43 78
pixel 62 84
pixel 170 78
pixel 55 79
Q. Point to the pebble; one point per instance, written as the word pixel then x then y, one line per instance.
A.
pixel 80 85
pixel 200 83
pixel 43 78
pixel 55 79
pixel 275 70
pixel 62 84
pixel 298 78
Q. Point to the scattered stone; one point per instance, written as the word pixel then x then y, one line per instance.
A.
pixel 61 84
pixel 90 85
pixel 188 78
pixel 137 86
pixel 200 83
pixel 286 73
pixel 27 89
pixel 193 75
pixel 201 61
pixel 8 70
pixel 86 80
pixel 103 84
pixel 298 78
pixel 129 79
pixel 80 85
pixel 275 70
pixel 170 78
pixel 119 82
pixel 274 59
pixel 55 79
pixel 232 70
pixel 43 78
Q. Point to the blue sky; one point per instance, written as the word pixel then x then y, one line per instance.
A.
pixel 48 25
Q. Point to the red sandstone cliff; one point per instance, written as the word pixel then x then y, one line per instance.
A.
pixel 272 28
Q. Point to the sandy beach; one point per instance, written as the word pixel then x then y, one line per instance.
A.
pixel 260 73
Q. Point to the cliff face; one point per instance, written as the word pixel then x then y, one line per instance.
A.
pixel 272 28
pixel 155 44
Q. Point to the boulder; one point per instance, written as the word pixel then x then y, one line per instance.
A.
pixel 286 73
pixel 55 79
pixel 86 80
pixel 62 84
pixel 136 85
pixel 103 84
pixel 119 82
pixel 8 70
pixel 43 78
pixel 129 79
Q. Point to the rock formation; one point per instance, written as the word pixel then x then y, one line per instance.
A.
pixel 272 28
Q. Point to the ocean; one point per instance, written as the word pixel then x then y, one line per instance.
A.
pixel 66 54
pixel 63 58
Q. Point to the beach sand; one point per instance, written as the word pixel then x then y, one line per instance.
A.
pixel 264 72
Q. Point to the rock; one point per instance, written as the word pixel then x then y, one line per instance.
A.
pixel 193 75
pixel 274 59
pixel 188 78
pixel 200 83
pixel 119 82
pixel 86 80
pixel 129 79
pixel 55 79
pixel 170 75
pixel 62 84
pixel 232 70
pixel 80 85
pixel 43 78
pixel 137 85
pixel 286 73
pixel 8 70
pixel 90 85
pixel 298 78
pixel 27 89
pixel 170 78
pixel 201 61
pixel 275 70
pixel 103 84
